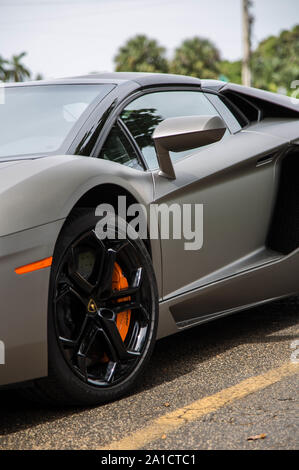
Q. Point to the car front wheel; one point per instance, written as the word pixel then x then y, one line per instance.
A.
pixel 103 312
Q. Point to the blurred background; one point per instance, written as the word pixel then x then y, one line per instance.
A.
pixel 254 42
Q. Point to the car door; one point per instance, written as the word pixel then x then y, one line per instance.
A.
pixel 235 191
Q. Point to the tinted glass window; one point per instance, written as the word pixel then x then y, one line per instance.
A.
pixel 37 118
pixel 143 115
pixel 227 114
pixel 119 150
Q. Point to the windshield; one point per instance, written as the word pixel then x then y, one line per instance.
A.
pixel 37 119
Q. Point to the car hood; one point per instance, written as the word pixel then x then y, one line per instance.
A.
pixel 5 163
pixel 14 172
pixel 38 191
pixel 24 185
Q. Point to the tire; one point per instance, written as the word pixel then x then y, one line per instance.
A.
pixel 88 365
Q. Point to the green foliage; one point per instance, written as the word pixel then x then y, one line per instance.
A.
pixel 3 69
pixel 14 70
pixel 231 70
pixel 196 57
pixel 18 72
pixel 141 54
pixel 275 63
pixel 38 76
pixel 142 123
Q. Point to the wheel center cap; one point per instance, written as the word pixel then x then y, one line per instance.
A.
pixel 92 306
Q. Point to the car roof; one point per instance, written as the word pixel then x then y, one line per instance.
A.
pixel 143 79
pixel 140 79
pixel 118 78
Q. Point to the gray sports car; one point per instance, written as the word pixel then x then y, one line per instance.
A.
pixel 80 313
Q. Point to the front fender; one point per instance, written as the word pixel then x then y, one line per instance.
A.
pixel 40 191
pixel 24 303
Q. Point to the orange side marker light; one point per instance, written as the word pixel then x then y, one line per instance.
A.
pixel 28 268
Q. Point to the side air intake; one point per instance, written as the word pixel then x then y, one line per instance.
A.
pixel 284 230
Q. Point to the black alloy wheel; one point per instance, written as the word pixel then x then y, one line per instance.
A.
pixel 103 313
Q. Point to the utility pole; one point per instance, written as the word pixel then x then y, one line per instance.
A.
pixel 247 27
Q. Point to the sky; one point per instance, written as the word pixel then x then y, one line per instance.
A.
pixel 71 37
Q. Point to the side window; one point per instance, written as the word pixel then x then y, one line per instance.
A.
pixel 118 149
pixel 142 116
pixel 229 115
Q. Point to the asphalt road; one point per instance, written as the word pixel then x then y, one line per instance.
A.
pixel 197 393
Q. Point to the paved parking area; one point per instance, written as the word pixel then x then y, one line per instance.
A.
pixel 200 381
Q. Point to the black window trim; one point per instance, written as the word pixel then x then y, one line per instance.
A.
pixel 237 113
pixel 248 103
pixel 125 130
pixel 130 142
pixel 236 109
pixel 115 116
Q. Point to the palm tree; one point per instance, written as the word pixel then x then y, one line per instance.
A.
pixel 275 62
pixel 141 54
pixel 197 57
pixel 3 69
pixel 38 76
pixel 18 72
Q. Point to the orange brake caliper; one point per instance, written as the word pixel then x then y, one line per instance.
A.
pixel 119 281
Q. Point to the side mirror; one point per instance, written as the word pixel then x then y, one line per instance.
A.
pixel 184 133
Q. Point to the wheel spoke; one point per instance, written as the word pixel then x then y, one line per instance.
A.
pixel 111 353
pixel 82 299
pixel 86 341
pixel 103 288
pixel 76 277
pixel 69 290
pixel 123 293
pixel 83 330
pixel 145 314
pixel 123 306
pixel 131 290
pixel 88 337
pixel 67 343
pixel 110 371
pixel 111 330
pixel 81 361
pixel 63 293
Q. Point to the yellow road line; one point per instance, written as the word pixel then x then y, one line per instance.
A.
pixel 175 419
